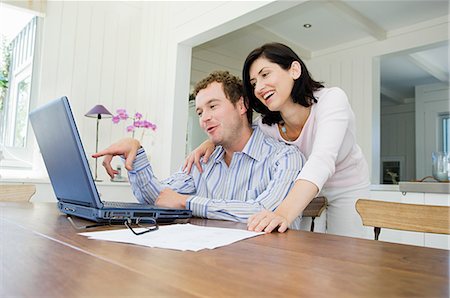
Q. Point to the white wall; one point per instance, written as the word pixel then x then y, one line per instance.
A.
pixel 356 70
pixel 137 55
pixel 133 55
pixel 195 134
pixel 90 53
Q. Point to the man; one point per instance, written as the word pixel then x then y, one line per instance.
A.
pixel 246 173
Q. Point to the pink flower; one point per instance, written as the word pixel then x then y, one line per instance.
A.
pixel 116 119
pixel 148 124
pixel 138 122
pixel 122 114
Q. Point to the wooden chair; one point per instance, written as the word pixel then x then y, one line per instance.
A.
pixel 315 209
pixel 11 192
pixel 401 216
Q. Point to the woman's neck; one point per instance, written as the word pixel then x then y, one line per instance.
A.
pixel 295 116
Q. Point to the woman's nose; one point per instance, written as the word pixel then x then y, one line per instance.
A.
pixel 258 89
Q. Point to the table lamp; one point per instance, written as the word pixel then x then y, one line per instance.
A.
pixel 97 112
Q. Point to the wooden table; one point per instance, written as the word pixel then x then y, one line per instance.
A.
pixel 42 255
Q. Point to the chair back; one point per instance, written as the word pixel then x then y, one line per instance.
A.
pixel 315 209
pixel 401 216
pixel 11 192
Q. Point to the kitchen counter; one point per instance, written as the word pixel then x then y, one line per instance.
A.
pixel 425 187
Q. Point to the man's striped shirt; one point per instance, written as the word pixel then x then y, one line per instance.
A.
pixel 257 178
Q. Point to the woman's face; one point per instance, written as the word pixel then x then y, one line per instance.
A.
pixel 273 84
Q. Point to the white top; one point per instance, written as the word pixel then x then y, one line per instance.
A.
pixel 328 141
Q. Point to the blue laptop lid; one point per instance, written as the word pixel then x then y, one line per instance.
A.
pixel 64 157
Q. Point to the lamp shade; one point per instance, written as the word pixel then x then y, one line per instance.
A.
pixel 98 110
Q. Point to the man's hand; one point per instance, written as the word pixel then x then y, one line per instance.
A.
pixel 127 147
pixel 171 199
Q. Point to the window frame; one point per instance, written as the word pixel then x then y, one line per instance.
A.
pixel 444 132
pixel 22 157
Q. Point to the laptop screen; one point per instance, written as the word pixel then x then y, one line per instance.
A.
pixel 63 154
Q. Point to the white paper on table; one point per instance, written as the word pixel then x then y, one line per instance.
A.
pixel 177 236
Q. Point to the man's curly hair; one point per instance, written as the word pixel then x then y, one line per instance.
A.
pixel 231 85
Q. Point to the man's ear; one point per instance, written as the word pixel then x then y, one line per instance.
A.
pixel 295 70
pixel 241 105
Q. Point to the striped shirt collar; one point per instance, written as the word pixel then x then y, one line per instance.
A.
pixel 253 148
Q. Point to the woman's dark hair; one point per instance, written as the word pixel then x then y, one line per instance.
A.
pixel 302 91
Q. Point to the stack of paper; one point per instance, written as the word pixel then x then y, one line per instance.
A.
pixel 178 236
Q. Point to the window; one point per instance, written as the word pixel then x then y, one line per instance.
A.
pixel 17 45
pixel 445 121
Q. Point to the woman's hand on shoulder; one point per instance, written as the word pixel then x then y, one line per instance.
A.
pixel 204 150
pixel 267 221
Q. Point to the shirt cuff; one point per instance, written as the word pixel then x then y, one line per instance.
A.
pixel 198 206
pixel 140 162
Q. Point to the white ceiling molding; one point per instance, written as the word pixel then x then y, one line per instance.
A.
pixel 433 70
pixel 392 95
pixel 266 33
pixel 343 46
pixel 419 26
pixel 359 19
pixel 36 7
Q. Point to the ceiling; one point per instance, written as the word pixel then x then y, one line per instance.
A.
pixel 352 22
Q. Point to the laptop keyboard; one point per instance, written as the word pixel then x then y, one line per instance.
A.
pixel 124 205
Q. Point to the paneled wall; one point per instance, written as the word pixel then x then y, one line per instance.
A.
pixel 133 55
pixel 137 55
pixel 90 53
pixel 352 73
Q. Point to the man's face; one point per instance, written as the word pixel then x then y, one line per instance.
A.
pixel 218 117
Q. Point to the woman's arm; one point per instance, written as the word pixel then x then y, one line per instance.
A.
pixel 301 194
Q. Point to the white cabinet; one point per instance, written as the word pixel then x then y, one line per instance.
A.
pixel 109 191
pixel 412 238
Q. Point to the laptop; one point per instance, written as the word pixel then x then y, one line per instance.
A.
pixel 71 178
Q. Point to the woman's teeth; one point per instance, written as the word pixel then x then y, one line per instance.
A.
pixel 268 95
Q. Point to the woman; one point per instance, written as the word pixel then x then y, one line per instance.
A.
pixel 300 111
